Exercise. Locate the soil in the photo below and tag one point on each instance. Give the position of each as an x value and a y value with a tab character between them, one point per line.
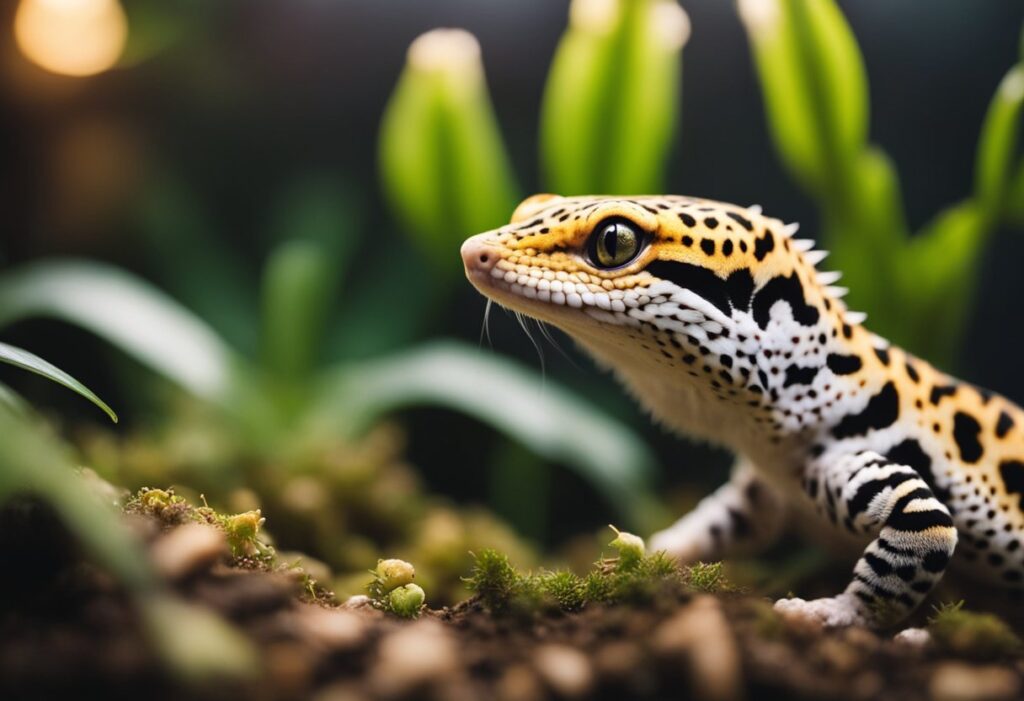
67	629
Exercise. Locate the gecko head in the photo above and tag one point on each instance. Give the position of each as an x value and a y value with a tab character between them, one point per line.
669	280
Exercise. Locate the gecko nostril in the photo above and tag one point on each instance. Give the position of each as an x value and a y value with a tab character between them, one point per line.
484	258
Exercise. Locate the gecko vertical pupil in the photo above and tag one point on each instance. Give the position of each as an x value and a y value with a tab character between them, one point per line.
614	243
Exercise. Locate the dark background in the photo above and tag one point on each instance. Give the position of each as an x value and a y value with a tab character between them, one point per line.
252	94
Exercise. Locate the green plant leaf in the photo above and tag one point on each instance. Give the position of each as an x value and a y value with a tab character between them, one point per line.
33	463
444	166
194	643
297	289
1015	198
128	312
612	96
33	363
542	416
13	402
815	90
997	145
939	271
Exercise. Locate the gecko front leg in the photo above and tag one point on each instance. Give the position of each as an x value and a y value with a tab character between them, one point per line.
741	517
868	494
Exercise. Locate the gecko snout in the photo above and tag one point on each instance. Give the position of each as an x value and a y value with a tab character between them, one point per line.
478	256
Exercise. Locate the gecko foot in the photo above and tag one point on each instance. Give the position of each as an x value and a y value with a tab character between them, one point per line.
833	612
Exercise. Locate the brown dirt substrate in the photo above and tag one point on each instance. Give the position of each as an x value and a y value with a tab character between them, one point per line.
70	632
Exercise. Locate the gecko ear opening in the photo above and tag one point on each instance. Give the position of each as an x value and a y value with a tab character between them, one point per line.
531	205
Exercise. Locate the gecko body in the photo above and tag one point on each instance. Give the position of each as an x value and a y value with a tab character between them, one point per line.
719	322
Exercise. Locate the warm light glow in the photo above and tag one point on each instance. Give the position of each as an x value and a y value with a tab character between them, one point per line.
71	37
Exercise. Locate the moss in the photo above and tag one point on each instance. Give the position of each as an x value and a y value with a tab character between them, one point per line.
978	636
494	579
707	578
503	589
564	589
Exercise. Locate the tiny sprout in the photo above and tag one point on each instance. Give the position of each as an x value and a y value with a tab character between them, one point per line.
394	573
406	601
155	498
244	526
631	547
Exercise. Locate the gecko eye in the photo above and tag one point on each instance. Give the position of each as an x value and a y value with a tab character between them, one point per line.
614	243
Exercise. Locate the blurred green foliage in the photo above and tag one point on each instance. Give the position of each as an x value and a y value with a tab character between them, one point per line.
607	121
917	289
442	160
611	102
194	643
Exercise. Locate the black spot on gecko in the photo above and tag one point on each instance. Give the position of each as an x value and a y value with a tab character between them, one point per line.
708	246
1004	424
843	364
700	281
882	410
742	221
727	247
1012	472
883	355
740	286
764	245
965	432
912	373
687	241
796	375
786	288
710	222
940	391
687	219
910	453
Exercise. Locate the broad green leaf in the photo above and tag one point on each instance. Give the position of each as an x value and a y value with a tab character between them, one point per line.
128	312
297	290
1015	197
612	96
33	363
543	417
32	463
815	89
997	146
444	166
937	281
13	402
866	244
195	644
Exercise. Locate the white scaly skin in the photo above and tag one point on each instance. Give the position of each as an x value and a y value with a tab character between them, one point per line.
719	323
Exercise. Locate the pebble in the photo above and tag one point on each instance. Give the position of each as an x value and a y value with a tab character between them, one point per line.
187	549
519	683
414	657
336	629
618	660
956	681
913	637
566	670
341	691
699	636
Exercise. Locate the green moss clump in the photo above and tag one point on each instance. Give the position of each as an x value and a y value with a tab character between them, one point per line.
707	578
503	589
978	636
564	589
